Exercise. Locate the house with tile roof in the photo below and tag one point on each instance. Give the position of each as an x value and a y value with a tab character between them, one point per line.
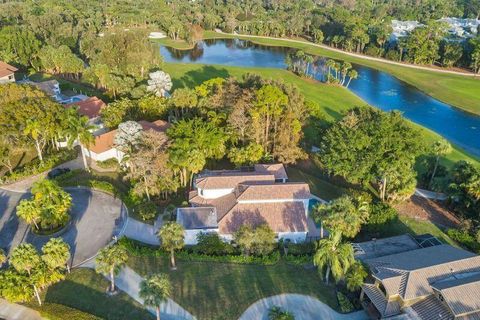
224	200
426	283
104	148
7	72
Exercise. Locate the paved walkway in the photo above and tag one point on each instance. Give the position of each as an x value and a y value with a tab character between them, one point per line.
303	308
430	194
26	184
13	311
129	282
142	232
361	56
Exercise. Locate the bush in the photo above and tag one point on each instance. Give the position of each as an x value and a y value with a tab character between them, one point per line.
108	164
345	304
380	214
54	311
277	313
188	254
147	210
465	239
35	166
393	55
306	248
211	244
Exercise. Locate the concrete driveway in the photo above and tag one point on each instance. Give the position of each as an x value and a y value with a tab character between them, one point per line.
96	218
303	308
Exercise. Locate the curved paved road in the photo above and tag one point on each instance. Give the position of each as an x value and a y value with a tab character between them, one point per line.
96	218
303	308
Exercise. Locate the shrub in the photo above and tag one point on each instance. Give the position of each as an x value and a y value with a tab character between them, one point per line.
35	166
380	214
54	311
306	248
345	304
464	238
393	55
131	199
211	244
277	313
147	210
135	248
108	164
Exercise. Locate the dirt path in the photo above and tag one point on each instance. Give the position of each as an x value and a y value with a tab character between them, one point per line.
360	56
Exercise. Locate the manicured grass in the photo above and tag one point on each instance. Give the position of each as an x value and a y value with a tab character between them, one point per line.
212	290
459	91
318	186
84	290
332	101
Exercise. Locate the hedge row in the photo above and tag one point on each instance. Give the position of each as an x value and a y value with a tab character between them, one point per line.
54	311
36	167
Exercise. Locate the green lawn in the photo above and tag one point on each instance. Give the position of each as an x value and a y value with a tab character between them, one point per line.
456	90
332	100
84	290
212	290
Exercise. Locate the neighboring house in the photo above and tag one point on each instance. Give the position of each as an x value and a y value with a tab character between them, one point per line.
7	73
424	280
104	148
223	201
90	108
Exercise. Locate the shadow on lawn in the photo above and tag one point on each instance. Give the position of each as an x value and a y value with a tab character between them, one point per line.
195	77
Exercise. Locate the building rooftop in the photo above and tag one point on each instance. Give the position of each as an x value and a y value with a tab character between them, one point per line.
6	69
232	179
49	86
277	169
275	191
197	217
385	246
89	107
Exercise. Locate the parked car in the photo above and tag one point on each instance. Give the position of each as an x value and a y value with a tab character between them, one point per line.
57	172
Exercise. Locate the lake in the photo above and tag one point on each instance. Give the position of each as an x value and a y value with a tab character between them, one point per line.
377	88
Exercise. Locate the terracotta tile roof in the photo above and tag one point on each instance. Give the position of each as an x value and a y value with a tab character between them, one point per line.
280	216
411	274
280	191
89	107
222	204
197	218
232	179
6	69
104	142
277	169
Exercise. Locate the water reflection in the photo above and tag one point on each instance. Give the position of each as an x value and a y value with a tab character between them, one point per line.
375	87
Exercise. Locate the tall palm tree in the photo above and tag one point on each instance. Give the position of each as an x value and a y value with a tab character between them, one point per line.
154	290
79	129
56	254
355	276
352	75
29	211
171	237
440	148
334	256
109	261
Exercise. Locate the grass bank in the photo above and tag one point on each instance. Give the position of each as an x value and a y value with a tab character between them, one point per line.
84	290
456	90
333	101
212	290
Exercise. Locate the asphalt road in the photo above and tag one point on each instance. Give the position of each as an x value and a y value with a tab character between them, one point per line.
95	219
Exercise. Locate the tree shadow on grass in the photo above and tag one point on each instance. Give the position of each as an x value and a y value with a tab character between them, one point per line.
195	77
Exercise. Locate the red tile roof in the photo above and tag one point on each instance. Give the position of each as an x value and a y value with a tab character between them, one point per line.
89	107
6	69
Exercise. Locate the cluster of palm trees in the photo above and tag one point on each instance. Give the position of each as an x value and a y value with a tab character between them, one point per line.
340	73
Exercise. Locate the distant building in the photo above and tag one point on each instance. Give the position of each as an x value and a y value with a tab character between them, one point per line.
104	148
50	87
90	108
420	279
7	73
225	200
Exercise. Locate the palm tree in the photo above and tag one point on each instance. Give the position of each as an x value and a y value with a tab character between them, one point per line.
56	253
355	276
79	129
29	211
110	260
154	290
24	259
333	255
159	83
352	75
171	237
439	148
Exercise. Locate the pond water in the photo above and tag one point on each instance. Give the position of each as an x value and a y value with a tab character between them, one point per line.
377	88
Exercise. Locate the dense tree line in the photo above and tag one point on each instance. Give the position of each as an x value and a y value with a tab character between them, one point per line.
31	33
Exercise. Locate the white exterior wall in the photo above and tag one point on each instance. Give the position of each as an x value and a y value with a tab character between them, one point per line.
296	237
7	78
109	154
213	193
191	235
